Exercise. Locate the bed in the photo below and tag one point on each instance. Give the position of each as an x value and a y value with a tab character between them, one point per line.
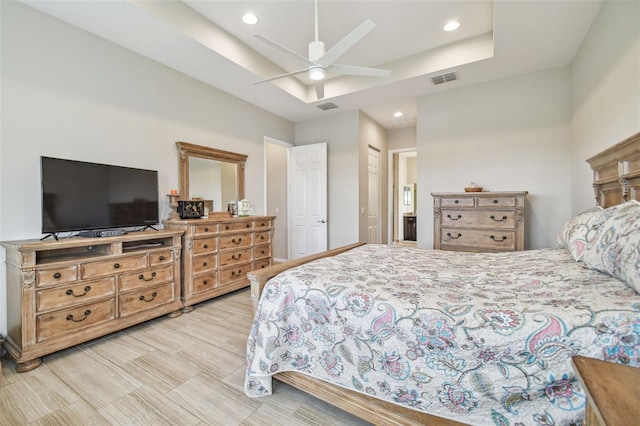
400	335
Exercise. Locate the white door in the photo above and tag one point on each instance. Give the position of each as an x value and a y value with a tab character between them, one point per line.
307	189
373	220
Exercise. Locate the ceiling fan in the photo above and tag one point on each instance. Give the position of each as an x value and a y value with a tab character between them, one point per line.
319	63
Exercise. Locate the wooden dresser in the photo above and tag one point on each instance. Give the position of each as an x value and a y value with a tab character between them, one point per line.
479	221
61	293
219	251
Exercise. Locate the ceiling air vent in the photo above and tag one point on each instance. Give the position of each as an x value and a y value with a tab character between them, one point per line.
328	105
444	78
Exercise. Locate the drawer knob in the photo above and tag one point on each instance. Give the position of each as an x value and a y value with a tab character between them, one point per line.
206	229
86	314
162	257
204	263
495	201
454	218
456	237
248	225
498	240
57	275
226	227
262	252
498	220
262	237
233	256
153	296
116	266
236	242
206	246
141	277
233	273
86	290
457	201
205	282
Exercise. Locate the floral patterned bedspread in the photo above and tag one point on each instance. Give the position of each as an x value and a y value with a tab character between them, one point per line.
479	338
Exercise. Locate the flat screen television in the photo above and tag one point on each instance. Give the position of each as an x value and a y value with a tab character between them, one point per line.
79	196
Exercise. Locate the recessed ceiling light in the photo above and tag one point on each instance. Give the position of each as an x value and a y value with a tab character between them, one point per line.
398	114
250	19
452	26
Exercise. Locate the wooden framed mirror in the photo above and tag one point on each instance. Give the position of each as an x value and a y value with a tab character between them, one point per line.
210	174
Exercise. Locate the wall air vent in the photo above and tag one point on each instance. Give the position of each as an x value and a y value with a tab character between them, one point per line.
444	78
328	105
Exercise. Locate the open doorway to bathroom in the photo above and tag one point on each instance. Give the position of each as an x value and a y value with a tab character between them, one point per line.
404	189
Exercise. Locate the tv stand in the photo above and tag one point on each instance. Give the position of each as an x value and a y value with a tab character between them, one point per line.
62	293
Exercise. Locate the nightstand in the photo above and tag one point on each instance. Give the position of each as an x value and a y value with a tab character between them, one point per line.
613	391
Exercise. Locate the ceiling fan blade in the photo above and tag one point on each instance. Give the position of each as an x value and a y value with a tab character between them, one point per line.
351	70
345	44
286	50
319	89
280	76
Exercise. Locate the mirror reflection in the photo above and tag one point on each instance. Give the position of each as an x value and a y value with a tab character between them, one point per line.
213	181
211	175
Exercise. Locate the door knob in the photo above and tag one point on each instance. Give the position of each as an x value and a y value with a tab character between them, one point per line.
322	221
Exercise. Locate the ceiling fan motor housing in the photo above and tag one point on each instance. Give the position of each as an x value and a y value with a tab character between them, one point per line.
316	50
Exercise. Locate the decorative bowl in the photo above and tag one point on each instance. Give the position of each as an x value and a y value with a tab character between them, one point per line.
473	189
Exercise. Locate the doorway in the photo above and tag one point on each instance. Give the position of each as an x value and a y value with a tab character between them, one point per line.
403	189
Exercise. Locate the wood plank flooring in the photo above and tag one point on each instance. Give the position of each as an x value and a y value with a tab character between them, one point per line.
169	371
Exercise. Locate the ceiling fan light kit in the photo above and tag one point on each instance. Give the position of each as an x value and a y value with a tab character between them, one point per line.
319	63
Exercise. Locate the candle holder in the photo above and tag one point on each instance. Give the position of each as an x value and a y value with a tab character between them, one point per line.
173	203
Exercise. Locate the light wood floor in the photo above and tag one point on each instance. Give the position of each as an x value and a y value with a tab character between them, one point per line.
169	371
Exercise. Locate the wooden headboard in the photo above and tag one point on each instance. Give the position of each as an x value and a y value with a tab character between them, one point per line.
616	172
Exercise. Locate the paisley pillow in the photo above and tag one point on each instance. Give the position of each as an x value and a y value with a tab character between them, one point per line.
616	249
579	230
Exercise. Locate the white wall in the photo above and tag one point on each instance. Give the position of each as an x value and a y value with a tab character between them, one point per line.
605	87
341	133
402	138
507	135
69	94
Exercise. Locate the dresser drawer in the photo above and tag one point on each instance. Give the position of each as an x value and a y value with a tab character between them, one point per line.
83	292
496	201
205	229
160	258
457	202
478	218
236	241
56	275
493	239
233	227
73	319
141	300
261	264
97	269
261	224
262	237
204	263
205	282
145	278
205	245
260	252
236	256
235	272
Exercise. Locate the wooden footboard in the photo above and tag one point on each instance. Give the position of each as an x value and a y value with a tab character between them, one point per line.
373	410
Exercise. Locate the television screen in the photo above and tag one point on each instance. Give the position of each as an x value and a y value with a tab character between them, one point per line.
78	195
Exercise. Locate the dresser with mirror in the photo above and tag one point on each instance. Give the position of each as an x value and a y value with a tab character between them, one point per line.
219	250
